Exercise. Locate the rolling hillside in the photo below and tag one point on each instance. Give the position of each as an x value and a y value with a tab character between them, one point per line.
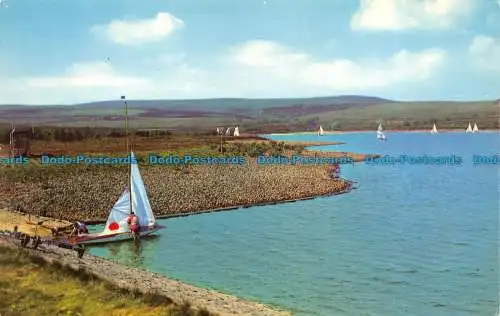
261	115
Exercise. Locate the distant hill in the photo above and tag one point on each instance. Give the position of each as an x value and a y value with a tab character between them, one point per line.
257	115
232	103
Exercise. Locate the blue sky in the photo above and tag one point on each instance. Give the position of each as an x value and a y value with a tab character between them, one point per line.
62	52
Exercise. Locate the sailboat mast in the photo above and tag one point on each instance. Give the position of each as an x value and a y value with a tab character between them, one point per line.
129	156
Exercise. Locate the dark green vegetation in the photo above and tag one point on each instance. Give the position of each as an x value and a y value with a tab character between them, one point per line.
29	286
262	115
74	140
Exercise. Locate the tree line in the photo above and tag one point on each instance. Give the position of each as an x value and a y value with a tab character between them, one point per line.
70	134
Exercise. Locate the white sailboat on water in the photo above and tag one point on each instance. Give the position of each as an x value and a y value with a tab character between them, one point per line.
434	129
236	131
228	131
320	131
475	129
380	133
469	129
133	201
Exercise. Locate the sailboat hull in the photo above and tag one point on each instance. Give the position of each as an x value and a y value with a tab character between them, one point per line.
100	238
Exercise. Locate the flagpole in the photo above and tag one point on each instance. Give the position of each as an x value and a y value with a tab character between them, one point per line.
128	153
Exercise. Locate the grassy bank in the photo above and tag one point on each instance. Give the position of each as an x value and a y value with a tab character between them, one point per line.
29	286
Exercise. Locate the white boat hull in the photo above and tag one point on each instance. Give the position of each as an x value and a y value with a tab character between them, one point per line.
100	238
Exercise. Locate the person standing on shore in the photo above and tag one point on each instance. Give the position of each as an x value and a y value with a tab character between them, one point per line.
79	228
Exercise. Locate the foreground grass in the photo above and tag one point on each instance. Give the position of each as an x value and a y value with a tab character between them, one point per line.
28	286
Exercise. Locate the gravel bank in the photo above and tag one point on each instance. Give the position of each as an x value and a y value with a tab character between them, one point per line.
88	192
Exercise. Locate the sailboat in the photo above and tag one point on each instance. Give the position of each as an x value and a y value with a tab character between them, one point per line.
380	133
228	131
469	129
133	200
320	131
236	131
475	129
434	129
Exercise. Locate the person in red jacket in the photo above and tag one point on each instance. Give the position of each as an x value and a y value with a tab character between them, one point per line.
132	222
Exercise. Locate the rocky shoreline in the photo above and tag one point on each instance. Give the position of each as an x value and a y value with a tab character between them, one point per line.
86	193
145	282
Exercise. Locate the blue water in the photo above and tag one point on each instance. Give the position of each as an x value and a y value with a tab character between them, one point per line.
411	240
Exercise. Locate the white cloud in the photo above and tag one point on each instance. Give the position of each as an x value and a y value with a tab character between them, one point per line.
278	64
485	51
252	69
135	32
97	74
406	14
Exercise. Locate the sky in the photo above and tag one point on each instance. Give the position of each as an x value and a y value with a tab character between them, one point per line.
66	52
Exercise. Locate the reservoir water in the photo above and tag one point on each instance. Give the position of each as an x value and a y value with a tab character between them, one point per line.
411	240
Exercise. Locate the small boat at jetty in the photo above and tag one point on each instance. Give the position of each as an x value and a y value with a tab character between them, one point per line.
320	131
434	129
475	129
469	129
132	201
380	133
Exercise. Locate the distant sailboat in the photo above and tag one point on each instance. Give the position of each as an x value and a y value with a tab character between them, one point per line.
475	129
320	131
380	133
236	131
228	131
469	129
434	129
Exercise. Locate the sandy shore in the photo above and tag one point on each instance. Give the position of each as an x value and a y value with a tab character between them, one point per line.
146	282
9	219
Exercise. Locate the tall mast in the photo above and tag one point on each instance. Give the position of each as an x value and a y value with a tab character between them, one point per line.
129	156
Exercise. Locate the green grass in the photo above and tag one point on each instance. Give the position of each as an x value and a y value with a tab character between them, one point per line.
29	286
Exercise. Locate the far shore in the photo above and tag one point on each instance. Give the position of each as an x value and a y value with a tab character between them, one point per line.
385	130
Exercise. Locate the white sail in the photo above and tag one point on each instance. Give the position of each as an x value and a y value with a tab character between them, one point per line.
236	131
140	202
320	131
117	219
380	133
434	129
228	131
469	129
475	129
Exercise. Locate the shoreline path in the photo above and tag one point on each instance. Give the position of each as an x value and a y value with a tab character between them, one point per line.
147	282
